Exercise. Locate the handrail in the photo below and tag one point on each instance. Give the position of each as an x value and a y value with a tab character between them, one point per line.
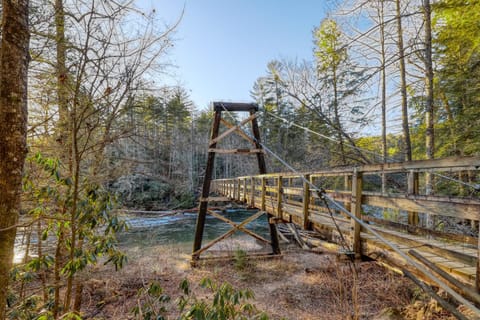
287	196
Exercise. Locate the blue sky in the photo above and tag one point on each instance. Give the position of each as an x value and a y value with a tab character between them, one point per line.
222	47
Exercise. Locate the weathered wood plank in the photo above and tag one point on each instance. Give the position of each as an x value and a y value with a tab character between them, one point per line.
236	151
234	106
445	206
450	163
464	289
279	212
231	130
238	131
237	226
357	187
422	231
227	234
306	202
263	198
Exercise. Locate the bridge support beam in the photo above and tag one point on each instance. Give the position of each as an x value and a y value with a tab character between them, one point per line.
230	189
202	210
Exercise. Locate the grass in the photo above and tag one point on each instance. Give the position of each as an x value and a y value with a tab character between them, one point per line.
300	286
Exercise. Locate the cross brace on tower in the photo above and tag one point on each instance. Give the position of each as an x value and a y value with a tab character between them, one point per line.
220	107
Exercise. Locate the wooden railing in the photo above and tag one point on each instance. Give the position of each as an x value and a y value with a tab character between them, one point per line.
392	194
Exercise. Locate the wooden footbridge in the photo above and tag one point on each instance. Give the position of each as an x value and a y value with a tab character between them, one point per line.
376	211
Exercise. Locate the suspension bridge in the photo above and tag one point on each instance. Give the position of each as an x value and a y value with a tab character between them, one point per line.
346	208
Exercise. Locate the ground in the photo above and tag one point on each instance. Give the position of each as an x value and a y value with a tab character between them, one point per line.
300	285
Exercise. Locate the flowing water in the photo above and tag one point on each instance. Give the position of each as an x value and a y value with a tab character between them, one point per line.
179	229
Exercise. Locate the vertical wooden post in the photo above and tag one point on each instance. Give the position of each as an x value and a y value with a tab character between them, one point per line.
348	187
412	188
384	183
252	192
262	167
202	210
279	197
244	190
312	198
238	190
306	203
290	185
263	206
234	188
240	186
357	184
477	277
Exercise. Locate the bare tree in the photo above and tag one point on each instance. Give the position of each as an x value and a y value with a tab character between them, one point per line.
100	57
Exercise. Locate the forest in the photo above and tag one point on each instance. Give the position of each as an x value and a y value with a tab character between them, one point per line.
387	81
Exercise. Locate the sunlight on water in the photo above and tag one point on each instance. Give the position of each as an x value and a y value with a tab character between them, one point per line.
179	230
18	252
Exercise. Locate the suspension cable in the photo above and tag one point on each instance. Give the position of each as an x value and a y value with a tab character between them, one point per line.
367	227
476	187
291	123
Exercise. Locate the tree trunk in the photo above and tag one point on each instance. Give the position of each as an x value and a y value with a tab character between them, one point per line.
403	84
429	108
383	84
62	79
14	60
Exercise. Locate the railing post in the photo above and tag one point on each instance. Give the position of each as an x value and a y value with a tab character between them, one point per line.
252	192
306	202
264	194
412	188
279	197
238	189
477	277
348	187
357	184
244	190
290	185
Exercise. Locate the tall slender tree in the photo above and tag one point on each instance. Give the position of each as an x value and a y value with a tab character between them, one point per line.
14	60
331	55
403	83
429	107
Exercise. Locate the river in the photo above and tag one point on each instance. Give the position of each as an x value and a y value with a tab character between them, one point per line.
179	229
176	229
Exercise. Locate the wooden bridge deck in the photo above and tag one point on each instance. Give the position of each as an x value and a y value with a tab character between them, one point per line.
288	198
